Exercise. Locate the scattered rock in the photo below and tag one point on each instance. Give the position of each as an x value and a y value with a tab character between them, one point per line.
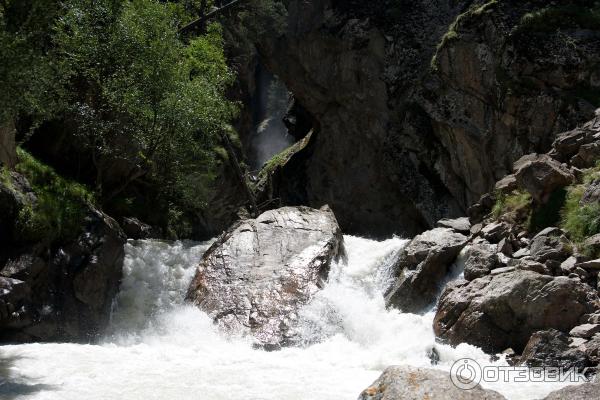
422	267
584	391
585	331
259	272
541	175
503	310
524	252
551	348
567	266
135	229
507	184
480	259
410	383
592	193
589	265
461	225
530	265
550	243
495	231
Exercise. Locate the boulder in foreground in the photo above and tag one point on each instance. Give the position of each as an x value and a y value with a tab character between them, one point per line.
260	272
410	383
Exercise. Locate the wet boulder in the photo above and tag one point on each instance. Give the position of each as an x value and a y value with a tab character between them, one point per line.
422	267
258	274
411	383
552	348
504	309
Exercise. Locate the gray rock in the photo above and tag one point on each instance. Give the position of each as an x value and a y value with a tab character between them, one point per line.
552	348
530	265
503	270
422	267
575	342
410	383
495	231
585	331
524	252
461	225
592	243
500	311
507	184
135	229
586	391
567	266
587	156
480	259
592	193
541	175
593	265
256	276
550	244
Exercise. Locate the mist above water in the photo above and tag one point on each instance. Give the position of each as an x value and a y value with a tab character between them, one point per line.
270	135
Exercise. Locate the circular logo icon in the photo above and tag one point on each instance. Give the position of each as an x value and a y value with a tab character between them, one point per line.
465	374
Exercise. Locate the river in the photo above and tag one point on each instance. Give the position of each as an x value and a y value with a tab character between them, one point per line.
160	348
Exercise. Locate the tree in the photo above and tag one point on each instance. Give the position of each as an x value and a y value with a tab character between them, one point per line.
138	94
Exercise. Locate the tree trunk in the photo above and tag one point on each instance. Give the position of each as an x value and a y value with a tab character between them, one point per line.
8	148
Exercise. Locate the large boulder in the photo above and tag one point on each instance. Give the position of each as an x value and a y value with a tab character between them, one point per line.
410	383
502	310
541	175
585	391
422	267
259	272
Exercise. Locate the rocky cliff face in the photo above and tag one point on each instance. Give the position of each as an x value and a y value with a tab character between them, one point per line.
61	291
420	107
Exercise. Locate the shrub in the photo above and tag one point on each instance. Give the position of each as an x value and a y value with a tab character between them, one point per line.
515	206
551	18
60	208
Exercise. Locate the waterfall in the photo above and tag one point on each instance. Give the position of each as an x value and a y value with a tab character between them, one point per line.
161	348
270	135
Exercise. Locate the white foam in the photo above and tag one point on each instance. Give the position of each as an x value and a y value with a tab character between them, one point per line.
163	349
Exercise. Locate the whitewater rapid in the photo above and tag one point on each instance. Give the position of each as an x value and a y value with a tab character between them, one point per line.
160	348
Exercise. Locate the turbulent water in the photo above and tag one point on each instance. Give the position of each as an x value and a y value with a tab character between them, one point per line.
160	348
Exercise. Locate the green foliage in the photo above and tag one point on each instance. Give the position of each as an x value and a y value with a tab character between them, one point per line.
60	208
581	221
28	76
261	17
138	93
5	178
452	33
554	17
512	203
